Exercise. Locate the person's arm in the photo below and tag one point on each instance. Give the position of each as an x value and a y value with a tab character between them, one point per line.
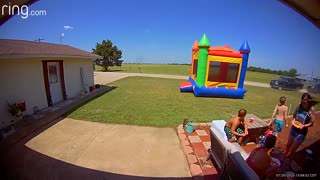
245	128
274	112
235	124
310	123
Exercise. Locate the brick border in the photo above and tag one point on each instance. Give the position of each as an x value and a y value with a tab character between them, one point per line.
194	164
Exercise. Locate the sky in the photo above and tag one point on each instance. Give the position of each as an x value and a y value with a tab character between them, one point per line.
149	31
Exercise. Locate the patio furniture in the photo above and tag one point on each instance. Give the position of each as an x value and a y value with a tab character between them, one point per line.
237	168
255	129
228	156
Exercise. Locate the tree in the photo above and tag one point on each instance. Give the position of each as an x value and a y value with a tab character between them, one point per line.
293	72
110	53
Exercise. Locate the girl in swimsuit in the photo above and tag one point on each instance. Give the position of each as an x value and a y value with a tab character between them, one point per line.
303	118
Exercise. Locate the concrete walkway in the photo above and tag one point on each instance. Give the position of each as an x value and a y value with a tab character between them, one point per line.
73	149
54	147
107	77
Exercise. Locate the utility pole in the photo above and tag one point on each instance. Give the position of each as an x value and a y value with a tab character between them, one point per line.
39	39
61	36
312	81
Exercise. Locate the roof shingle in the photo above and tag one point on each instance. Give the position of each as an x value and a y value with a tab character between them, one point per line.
10	48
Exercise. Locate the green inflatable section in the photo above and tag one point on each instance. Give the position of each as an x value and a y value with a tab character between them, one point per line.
203	45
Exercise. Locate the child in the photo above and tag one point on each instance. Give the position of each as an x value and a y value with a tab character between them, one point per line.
270	131
236	128
281	112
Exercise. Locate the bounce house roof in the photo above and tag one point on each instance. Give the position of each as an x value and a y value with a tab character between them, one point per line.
221	48
224	51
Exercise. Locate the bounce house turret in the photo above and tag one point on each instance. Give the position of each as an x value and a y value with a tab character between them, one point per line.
217	71
204	45
195	46
245	51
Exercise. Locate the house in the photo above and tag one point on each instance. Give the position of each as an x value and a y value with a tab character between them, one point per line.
40	75
308	79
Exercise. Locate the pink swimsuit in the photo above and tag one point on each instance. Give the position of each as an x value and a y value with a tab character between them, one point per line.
258	171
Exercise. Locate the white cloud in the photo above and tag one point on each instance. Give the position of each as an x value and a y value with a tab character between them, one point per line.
67	27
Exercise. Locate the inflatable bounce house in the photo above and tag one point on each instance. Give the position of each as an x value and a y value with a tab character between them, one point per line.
217	71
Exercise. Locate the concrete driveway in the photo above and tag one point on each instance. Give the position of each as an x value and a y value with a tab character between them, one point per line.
107	77
73	149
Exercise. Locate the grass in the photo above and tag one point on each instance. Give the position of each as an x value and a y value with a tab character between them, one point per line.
183	70
260	77
151	69
157	102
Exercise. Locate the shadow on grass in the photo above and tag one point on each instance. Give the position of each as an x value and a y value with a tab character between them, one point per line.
21	162
109	88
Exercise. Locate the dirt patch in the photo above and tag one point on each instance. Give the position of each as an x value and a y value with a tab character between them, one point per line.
204	163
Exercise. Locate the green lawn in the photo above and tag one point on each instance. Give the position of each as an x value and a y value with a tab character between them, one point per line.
181	70
260	77
158	102
152	69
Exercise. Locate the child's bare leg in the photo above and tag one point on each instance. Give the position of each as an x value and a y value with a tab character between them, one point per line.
240	140
233	139
288	147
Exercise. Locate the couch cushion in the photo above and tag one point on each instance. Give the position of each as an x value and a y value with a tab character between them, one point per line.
219	126
219	148
238	167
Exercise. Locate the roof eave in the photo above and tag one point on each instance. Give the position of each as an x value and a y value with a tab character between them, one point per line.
303	11
29	56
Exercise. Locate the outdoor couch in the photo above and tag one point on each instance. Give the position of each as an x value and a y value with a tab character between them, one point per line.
228	157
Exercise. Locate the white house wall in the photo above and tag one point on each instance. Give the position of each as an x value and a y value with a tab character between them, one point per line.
22	80
72	76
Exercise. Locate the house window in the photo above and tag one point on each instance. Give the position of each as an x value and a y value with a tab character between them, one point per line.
223	72
195	67
53	74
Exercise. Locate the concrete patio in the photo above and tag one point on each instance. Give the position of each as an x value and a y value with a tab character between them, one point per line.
54	147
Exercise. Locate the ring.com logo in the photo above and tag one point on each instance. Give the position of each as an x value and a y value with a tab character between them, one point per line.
23	10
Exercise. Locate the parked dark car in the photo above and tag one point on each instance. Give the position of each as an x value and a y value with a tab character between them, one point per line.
286	83
314	89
